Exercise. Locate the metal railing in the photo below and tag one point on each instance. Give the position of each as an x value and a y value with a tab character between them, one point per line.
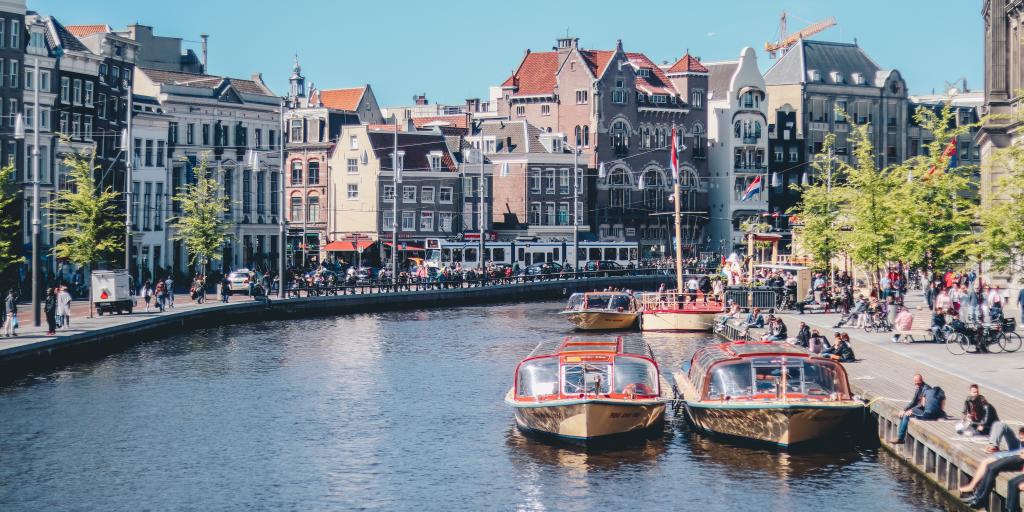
766	298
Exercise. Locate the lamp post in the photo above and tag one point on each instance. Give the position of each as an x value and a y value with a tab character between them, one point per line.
126	146
19	134
282	243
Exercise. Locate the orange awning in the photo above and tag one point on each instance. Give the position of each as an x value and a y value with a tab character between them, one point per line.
347	246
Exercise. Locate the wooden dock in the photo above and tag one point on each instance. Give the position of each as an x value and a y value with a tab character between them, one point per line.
883	375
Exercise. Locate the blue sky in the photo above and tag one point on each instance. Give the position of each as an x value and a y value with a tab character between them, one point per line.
454	50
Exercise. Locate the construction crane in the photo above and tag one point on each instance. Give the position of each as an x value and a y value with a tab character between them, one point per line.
786	41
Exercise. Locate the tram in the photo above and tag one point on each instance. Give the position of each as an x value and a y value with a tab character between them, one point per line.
441	252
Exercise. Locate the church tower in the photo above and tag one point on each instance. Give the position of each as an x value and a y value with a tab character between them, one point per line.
297	82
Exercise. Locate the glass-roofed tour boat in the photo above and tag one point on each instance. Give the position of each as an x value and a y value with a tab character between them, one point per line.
601	311
776	393
583	390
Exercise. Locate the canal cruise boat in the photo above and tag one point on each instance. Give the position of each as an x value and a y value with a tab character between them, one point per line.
775	393
679	312
601	311
585	390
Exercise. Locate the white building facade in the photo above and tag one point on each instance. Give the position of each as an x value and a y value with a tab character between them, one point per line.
150	189
738	137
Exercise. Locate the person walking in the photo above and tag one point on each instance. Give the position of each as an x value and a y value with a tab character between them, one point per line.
11	311
64	308
225	288
50	308
169	286
147	294
161	295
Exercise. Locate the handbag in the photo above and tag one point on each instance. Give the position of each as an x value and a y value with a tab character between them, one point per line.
14	320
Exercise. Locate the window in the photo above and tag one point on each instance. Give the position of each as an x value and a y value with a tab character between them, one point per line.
549	214
352	165
149	153
582	96
659	98
445	195
147	206
87	127
44	119
64	122
261	192
29	79
619	93
427	195
545	110
29	117
158	223
408	221
274	198
388	192
246	191
563	181
467	186
535	214
778	154
409	194
296	173
258	135
353	142
295	135
3	24
313	209
353	191
13	72
389	220
535	178
159	153
563	214
314	173
190	134
426	221
435	161
76	92
65	89
840	111
620	135
172	131
549	181
520	111
697	99
794	155
296	209
15	34
586	136
445	220
76	125
44	80
206	134
88	93
136	187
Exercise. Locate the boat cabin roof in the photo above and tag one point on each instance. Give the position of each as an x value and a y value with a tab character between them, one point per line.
745	349
616	346
602	294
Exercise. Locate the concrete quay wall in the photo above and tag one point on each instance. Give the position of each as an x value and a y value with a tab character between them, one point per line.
130	329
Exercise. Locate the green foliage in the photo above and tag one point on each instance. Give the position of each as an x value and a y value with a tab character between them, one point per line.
1000	240
201	225
88	220
9	246
818	209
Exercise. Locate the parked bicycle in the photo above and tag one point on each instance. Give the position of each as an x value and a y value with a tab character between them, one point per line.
980	338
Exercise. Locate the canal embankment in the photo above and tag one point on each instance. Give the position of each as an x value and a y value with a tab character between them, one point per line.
103	334
883	376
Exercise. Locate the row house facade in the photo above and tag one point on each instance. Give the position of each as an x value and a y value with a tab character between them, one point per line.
12	60
738	137
618	109
222	121
364	192
151	195
313	124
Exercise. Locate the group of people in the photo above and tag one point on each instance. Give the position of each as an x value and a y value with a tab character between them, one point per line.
806	337
978	417
56	308
160	294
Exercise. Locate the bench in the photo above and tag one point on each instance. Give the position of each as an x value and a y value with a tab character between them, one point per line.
920	327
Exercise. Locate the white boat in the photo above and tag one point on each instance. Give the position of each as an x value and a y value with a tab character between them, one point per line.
601	311
665	311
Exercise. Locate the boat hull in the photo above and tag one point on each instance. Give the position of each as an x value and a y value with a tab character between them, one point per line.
781	424
584	420
677	320
601	320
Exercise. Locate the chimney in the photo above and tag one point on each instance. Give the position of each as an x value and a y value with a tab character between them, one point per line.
567	43
472	104
204	37
421	99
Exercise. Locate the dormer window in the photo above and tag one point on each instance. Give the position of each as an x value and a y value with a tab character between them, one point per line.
643	72
813	75
837	77
435	160
858	79
660	98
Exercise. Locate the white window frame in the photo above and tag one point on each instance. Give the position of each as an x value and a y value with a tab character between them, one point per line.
427	195
424	215
409	194
352	165
442	191
352	191
388	193
411	217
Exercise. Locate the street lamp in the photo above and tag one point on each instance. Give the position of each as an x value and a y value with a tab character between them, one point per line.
19	134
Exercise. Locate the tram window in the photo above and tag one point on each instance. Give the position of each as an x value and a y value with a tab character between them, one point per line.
498	254
554	255
538	257
456	255
538	378
609	253
624	253
469	255
595	254
528	259
632	254
446	255
522	254
635	376
585	378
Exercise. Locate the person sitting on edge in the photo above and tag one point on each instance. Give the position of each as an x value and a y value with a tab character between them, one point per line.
754	319
818	343
903	322
842	351
927	404
803	335
938	322
978	414
975	493
734	312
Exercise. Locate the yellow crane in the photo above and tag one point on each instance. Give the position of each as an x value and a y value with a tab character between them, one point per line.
786	41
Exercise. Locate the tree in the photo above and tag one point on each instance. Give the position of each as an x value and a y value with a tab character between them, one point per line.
1000	241
818	210
201	225
9	250
88	219
933	215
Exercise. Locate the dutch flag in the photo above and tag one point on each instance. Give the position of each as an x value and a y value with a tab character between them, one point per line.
753	189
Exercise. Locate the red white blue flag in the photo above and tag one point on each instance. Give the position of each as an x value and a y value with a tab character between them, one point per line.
753	189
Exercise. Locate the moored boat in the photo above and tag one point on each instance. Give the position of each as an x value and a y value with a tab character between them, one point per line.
769	392
670	311
601	311
584	390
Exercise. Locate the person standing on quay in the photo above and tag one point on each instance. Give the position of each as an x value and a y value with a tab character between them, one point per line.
11	309
50	308
169	286
64	307
147	294
161	295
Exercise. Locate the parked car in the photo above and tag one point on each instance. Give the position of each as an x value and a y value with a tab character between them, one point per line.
604	268
238	281
545	268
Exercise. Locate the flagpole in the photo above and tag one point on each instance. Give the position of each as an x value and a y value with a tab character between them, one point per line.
675	202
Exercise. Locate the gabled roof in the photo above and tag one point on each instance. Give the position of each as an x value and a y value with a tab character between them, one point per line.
340	99
205	81
657	82
61	37
417	147
536	74
720	78
454	120
824	57
85	30
687	64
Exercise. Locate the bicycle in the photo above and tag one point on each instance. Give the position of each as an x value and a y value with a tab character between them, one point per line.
995	341
878	323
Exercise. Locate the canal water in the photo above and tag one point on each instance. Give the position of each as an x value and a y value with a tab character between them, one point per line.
389	411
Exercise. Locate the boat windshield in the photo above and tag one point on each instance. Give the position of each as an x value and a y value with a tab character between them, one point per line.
773	377
575	302
579	301
538	377
634	376
585	378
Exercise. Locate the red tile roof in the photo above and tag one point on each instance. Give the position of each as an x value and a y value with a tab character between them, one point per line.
536	74
383	127
341	99
657	82
687	64
455	120
85	30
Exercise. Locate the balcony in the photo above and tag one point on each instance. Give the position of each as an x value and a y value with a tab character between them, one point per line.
750	140
751	168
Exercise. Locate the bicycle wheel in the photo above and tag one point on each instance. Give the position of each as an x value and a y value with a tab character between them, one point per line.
996	343
956	343
1013	341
